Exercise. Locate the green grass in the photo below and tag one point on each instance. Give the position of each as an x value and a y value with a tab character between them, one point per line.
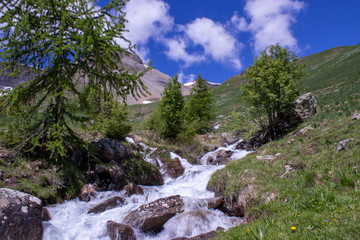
325	188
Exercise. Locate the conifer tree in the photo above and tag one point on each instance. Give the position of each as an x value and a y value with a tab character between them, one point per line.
273	84
171	109
201	105
65	43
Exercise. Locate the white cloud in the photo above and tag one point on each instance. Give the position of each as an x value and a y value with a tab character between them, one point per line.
239	22
216	41
184	78
177	51
270	22
147	19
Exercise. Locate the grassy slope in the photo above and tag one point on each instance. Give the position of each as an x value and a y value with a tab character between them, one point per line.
322	199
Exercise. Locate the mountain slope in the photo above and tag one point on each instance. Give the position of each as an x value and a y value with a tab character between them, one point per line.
326	74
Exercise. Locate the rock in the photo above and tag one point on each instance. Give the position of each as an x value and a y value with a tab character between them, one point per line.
214	203
174	168
46	215
114	176
204	236
356	116
107	150
132	189
228	138
292	166
305	106
20	215
152	216
342	144
303	131
117	231
221	158
267	158
87	191
108	204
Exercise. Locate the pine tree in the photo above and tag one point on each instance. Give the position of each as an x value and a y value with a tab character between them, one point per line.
65	43
171	109
273	84
201	105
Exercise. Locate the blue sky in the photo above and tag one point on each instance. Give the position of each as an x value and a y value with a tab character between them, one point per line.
219	38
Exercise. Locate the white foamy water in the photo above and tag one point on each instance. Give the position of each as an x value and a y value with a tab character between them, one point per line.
70	220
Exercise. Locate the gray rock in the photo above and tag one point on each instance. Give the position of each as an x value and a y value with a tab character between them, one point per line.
303	131
117	231
305	106
20	215
356	116
107	150
108	204
46	216
342	144
267	158
174	168
214	203
152	216
222	157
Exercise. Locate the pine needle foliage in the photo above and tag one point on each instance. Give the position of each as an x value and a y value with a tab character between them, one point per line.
200	107
65	43
273	86
171	109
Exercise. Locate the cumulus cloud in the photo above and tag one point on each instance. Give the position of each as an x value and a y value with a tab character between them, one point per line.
270	22
216	41
147	19
176	50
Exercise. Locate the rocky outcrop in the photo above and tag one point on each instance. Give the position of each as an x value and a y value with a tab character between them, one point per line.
132	189
115	165
46	216
87	192
117	231
152	216
305	106
20	215
108	204
107	150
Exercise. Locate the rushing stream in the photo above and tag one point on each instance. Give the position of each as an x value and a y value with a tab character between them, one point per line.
71	221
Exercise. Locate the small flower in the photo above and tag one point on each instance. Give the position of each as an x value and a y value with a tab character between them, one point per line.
293	228
249	230
335	219
320	203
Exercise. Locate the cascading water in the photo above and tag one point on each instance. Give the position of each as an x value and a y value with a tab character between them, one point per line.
71	221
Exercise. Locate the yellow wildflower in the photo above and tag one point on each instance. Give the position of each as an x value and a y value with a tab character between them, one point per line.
293	228
249	230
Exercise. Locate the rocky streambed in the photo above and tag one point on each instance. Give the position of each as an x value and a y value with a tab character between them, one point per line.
180	208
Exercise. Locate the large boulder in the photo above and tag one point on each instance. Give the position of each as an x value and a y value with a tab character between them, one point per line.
152	216
174	168
221	158
117	231
114	176
107	150
20	215
305	106
108	204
